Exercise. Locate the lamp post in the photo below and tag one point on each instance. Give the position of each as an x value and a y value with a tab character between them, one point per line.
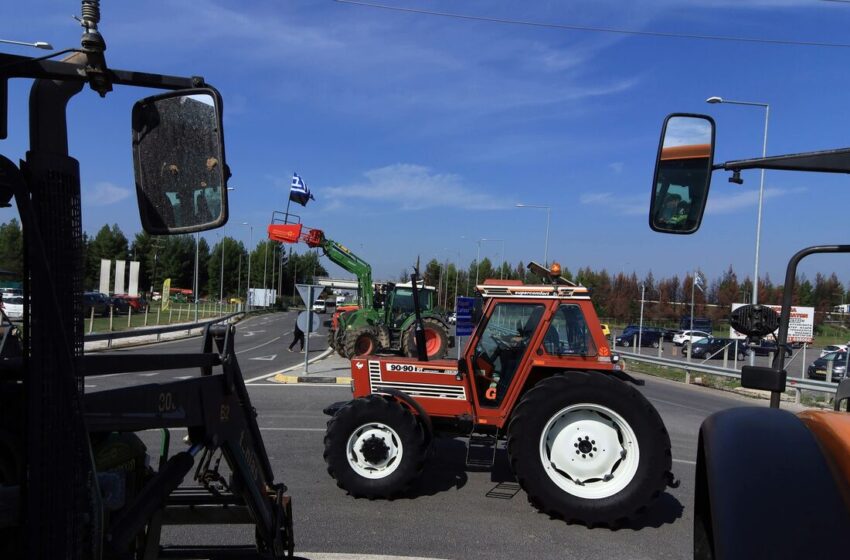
761	184
221	279
195	287
248	293
478	257
548	212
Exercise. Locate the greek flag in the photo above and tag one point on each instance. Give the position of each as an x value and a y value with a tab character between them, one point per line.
699	282
298	191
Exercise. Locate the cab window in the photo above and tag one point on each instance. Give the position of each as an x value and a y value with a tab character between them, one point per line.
568	333
501	347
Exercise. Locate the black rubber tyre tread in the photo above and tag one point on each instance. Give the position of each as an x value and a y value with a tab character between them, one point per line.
332	339
375	409
557	392
351	337
408	342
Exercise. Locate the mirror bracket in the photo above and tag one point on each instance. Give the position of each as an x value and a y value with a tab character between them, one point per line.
736	177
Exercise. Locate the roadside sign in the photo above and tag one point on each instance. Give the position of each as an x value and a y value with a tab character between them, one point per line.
308	295
308	321
801	324
463	325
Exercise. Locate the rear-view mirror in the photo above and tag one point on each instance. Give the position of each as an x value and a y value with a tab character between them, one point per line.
682	173
178	154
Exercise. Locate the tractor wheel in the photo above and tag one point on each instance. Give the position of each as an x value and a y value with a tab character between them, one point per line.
589	448
374	447
332	339
360	342
436	339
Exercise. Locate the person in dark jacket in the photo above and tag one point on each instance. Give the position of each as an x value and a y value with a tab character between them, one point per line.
298	336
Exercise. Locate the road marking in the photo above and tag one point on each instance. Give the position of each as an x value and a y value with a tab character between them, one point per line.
149	374
185	377
258	346
268	358
343	556
671	403
684	461
252	333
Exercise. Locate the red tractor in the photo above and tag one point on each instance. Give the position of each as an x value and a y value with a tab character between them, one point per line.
538	373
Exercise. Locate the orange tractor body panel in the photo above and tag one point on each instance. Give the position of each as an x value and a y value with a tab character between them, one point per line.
444	391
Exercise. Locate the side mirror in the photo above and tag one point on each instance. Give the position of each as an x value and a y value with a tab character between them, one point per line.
754	320
178	155
682	173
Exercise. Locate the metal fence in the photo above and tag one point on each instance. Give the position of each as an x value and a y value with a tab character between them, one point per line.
792	383
158	331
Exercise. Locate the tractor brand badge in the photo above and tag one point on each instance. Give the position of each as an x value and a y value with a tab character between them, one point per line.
358	365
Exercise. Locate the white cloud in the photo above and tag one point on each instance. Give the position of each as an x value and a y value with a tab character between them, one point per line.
104	194
727	204
413	187
630	205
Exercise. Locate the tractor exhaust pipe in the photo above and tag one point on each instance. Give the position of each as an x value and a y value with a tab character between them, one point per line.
419	329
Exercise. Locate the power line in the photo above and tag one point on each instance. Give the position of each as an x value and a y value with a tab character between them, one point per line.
599	29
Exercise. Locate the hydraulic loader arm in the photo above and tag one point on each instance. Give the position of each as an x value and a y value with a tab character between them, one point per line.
343	257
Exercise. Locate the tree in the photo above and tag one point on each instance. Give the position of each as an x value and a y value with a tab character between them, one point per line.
234	253
12	248
108	243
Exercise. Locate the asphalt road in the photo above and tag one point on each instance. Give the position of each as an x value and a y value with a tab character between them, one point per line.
452	512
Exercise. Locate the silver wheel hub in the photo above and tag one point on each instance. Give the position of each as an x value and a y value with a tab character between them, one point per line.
374	450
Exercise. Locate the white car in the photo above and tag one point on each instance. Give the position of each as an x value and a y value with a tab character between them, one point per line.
319	306
14	307
679	339
833	348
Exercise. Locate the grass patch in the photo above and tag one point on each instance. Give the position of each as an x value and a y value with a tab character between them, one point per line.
673	373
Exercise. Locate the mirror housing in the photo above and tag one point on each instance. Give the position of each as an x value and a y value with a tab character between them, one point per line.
682	173
178	157
754	320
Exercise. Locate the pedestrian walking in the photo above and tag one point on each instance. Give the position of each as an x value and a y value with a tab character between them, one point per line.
298	336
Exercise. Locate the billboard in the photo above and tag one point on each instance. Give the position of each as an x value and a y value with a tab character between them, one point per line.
801	325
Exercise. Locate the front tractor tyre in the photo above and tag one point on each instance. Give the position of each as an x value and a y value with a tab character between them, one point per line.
589	448
360	342
374	448
436	339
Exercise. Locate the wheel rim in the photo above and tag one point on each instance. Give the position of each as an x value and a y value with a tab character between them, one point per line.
432	342
364	346
589	451
374	450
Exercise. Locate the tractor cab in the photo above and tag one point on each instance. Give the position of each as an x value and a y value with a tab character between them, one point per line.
398	302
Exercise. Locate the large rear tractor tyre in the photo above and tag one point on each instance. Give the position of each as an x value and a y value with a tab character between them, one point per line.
374	448
360	342
589	448
332	339
436	339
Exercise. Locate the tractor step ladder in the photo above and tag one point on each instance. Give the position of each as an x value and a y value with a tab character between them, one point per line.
481	449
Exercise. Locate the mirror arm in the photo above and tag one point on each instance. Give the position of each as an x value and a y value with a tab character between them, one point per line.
826	161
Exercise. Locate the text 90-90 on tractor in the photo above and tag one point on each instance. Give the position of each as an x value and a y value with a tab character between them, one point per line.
583	442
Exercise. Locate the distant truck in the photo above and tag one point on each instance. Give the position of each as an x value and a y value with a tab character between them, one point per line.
699	324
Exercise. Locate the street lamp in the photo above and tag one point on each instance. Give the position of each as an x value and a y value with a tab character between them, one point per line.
548	211
221	280
761	184
478	257
248	293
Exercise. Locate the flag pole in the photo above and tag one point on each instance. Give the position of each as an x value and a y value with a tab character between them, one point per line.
288	202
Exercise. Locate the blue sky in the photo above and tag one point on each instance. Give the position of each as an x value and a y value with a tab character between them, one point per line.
418	134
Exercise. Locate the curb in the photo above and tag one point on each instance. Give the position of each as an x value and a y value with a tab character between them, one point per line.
283	378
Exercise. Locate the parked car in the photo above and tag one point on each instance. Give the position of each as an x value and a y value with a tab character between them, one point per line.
765	347
119	305
711	347
97	301
668	334
631	335
833	348
817	369
136	303
14	307
689	336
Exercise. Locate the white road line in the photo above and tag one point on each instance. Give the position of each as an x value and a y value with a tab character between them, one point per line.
671	403
258	346
684	461
343	556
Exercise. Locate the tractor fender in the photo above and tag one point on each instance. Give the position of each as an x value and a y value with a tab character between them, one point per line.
411	402
759	470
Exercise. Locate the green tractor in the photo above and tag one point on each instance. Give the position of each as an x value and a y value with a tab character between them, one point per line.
391	326
384	320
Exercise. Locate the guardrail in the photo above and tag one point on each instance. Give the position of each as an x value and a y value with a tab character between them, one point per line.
147	331
793	383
